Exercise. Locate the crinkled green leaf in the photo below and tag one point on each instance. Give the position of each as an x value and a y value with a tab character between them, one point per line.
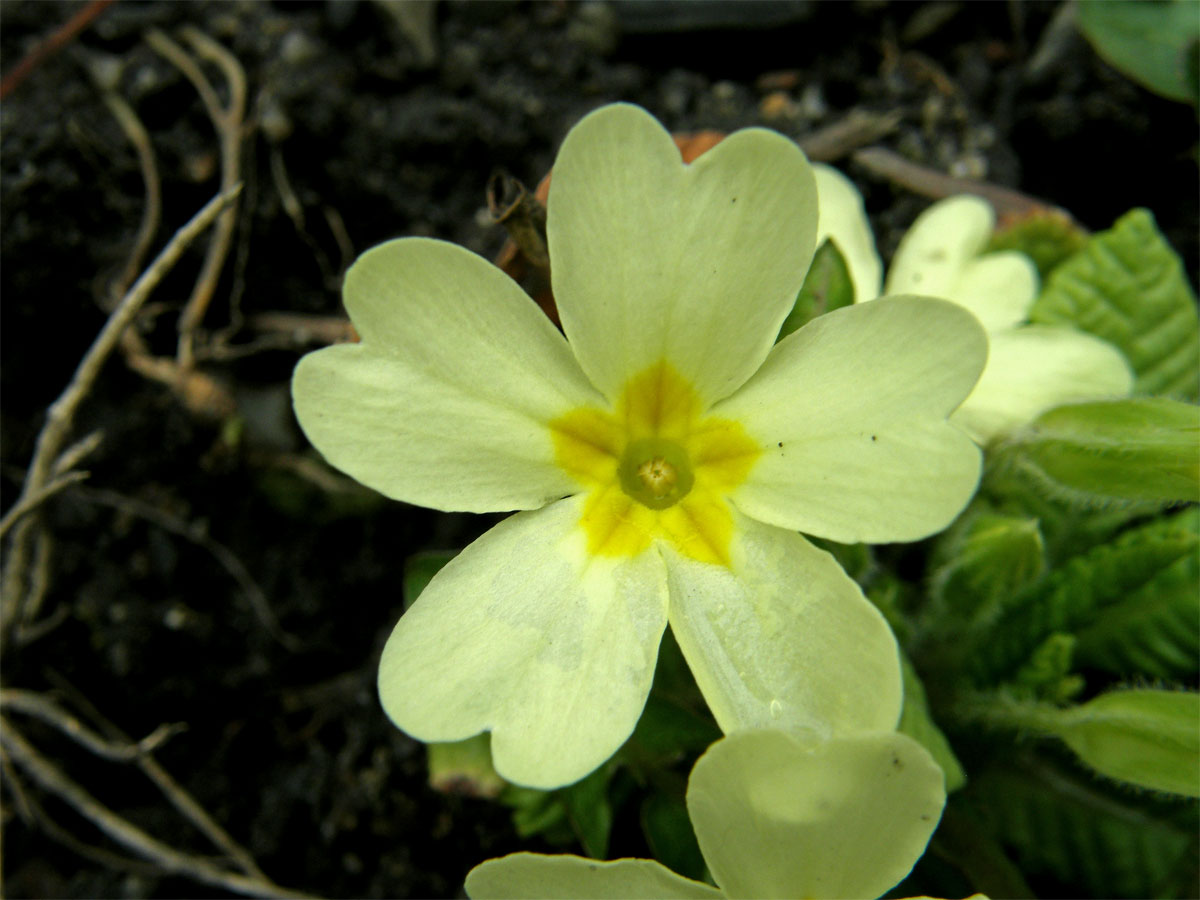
1047	672
1146	737
534	876
826	286
1134	449
1070	597
917	722
1154	632
1128	287
1148	40
1098	840
1048	238
669	833
983	560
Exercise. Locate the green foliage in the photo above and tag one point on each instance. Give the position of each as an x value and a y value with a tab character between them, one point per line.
827	286
1071	597
1082	834
1154	42
1047	238
669	833
1128	287
917	722
420	569
1046	673
1136	449
1153	632
1146	737
981	561
590	811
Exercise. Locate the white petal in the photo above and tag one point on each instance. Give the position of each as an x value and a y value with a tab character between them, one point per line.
784	638
844	818
851	414
445	402
524	634
940	257
534	876
1035	368
844	220
653	260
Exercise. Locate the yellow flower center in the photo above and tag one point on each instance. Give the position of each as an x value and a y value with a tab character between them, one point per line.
655	467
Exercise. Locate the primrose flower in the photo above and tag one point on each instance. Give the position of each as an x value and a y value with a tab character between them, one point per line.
662	455
775	818
1031	368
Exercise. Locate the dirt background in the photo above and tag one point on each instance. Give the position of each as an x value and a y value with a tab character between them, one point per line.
364	123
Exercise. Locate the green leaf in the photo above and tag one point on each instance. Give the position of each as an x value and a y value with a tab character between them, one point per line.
1154	632
669	833
1136	449
856	559
1148	41
1048	238
1046	673
590	811
1082	833
420	569
1070	597
827	286
982	560
1128	287
917	722
667	729
536	812
1146	737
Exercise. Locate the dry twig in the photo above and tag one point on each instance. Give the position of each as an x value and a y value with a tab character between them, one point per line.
227	120
62	413
932	183
28	504
51	45
137	135
170	788
42	707
51	778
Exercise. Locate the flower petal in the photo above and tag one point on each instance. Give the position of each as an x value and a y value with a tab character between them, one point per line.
523	633
844	220
851	410
783	638
1037	367
653	260
446	401
940	257
535	876
843	818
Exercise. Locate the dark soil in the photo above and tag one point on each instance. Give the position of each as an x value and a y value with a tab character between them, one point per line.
286	746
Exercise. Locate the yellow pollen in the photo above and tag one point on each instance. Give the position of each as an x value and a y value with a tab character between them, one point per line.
658	476
655	466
